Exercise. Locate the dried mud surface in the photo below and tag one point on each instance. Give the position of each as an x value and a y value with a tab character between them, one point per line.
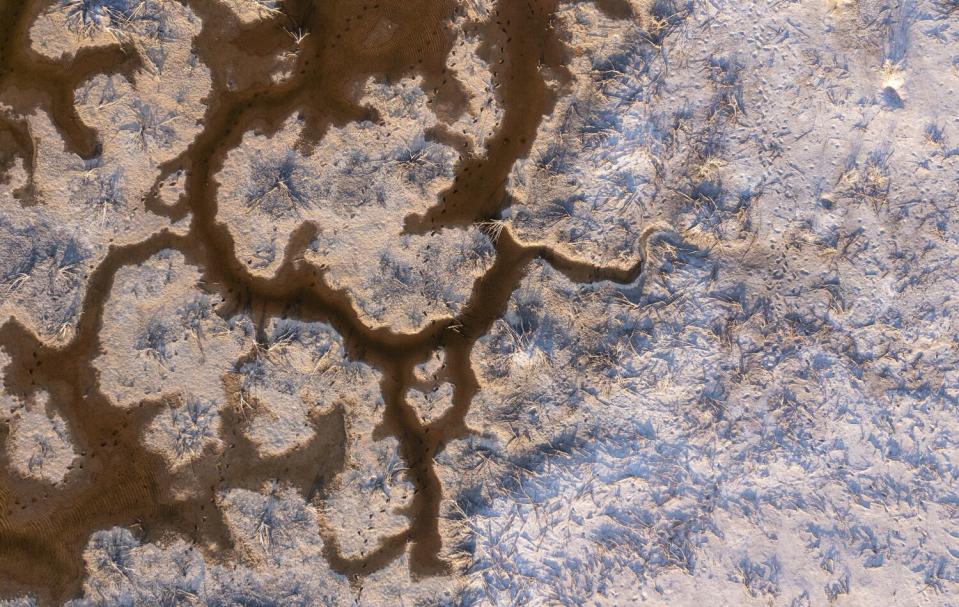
43	529
650	303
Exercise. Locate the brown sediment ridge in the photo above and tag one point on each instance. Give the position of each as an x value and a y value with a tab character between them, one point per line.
43	528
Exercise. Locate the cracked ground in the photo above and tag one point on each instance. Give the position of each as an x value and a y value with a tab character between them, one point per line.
479	302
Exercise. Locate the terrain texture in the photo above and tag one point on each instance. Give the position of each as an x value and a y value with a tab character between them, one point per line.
479	302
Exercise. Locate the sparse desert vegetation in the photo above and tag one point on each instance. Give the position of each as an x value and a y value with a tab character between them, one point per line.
481	302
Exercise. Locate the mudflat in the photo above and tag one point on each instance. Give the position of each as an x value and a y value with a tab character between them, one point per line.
476	302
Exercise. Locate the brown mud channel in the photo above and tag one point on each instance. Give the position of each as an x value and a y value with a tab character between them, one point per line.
44	528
